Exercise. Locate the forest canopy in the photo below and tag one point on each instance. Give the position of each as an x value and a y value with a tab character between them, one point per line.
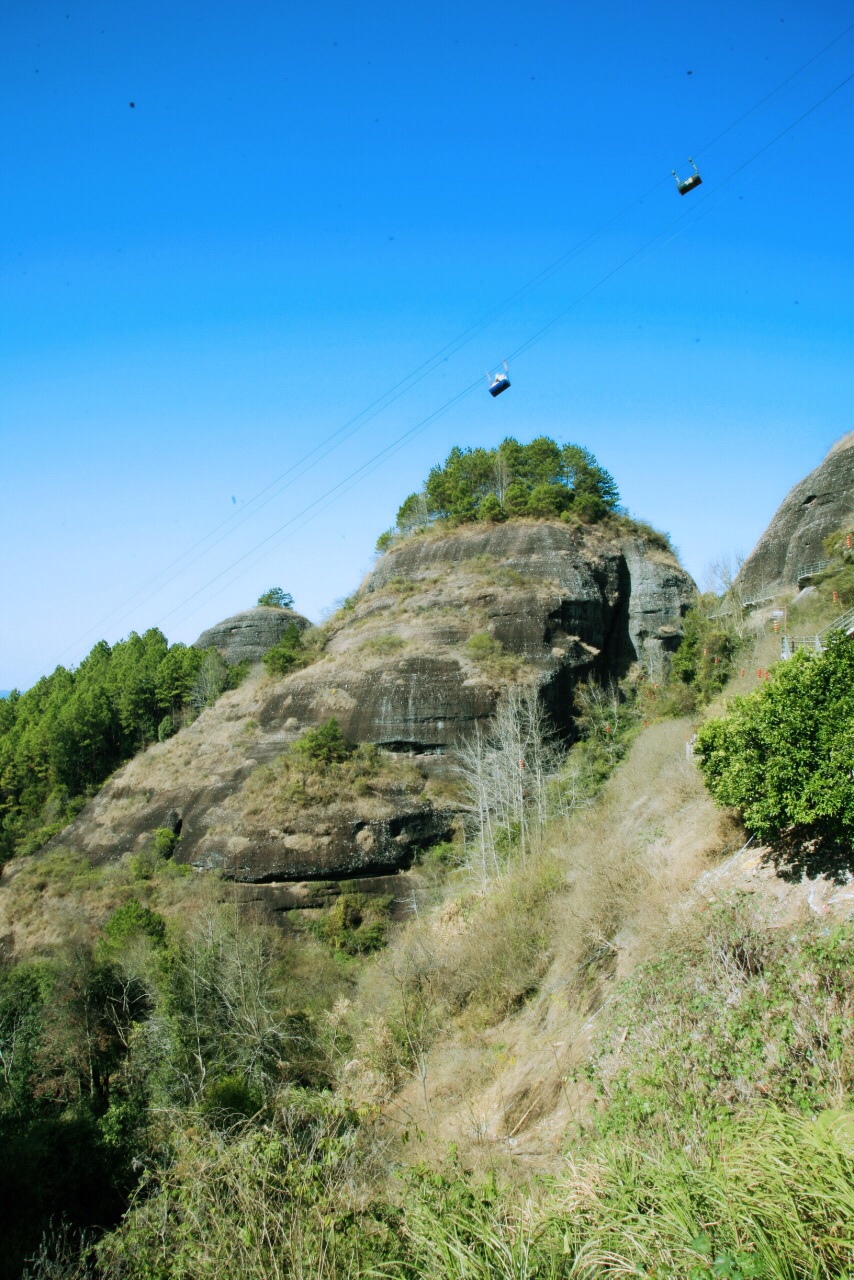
541	479
63	737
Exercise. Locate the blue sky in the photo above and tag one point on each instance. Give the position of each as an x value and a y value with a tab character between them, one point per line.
303	207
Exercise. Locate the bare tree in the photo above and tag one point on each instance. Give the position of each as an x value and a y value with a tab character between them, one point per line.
210	681
506	774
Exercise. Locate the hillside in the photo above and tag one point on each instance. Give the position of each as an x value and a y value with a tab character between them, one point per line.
413	665
533	1004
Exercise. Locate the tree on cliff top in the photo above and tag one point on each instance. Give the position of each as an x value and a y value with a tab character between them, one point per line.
541	479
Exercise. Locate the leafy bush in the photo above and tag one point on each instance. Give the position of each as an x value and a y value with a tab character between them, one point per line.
784	754
482	647
133	919
704	659
324	745
357	923
231	1098
288	654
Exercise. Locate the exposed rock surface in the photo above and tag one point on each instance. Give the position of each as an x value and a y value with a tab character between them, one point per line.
818	505
565	603
248	635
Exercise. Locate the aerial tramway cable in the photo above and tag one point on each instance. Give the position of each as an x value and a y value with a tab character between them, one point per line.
333	494
356	423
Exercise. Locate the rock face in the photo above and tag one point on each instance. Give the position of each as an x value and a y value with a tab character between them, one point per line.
817	506
549	605
566	603
248	635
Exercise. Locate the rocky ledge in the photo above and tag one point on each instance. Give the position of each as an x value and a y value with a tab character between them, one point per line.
417	660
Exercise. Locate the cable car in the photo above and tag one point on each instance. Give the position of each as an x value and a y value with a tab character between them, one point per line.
684	185
500	382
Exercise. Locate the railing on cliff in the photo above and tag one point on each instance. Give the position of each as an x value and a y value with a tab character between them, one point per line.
790	644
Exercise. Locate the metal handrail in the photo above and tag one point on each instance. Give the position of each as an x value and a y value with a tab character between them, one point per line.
811	569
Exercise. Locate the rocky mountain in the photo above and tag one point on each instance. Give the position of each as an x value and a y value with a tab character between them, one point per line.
416	660
818	505
248	635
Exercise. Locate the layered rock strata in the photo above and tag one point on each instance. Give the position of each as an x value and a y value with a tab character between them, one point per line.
246	636
435	634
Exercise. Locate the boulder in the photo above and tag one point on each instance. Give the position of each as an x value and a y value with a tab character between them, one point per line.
817	506
248	635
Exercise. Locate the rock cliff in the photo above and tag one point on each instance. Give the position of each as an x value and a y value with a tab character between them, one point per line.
248	635
818	505
413	664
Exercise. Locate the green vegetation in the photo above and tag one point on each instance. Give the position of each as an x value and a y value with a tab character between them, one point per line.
357	923
382	646
705	657
784	754
735	1015
323	768
540	479
276	598
288	654
62	738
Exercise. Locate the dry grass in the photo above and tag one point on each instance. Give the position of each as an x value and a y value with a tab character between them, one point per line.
471	1020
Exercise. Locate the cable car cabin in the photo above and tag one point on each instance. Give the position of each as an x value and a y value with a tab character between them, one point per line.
684	185
499	383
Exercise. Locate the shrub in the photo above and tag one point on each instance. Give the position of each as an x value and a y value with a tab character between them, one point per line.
492	510
784	754
704	659
166	728
482	647
548	500
132	919
589	507
231	1098
325	745
287	654
381	646
357	923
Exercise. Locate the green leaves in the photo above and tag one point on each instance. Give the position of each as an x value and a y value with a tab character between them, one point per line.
287	654
539	479
784	755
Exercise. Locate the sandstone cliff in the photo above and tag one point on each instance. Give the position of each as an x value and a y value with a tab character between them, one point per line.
248	635
818	505
550	604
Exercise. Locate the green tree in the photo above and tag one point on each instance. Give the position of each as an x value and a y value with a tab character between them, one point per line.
287	654
276	598
784	754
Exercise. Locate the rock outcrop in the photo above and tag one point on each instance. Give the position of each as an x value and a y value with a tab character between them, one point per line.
548	605
248	635
817	506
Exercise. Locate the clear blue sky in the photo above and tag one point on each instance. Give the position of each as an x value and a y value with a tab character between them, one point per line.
306	202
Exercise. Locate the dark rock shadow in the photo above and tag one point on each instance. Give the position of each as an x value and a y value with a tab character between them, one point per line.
800	852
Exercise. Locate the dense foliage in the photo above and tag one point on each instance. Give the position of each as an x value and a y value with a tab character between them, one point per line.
276	598
287	654
540	479
65	735
784	754
709	645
